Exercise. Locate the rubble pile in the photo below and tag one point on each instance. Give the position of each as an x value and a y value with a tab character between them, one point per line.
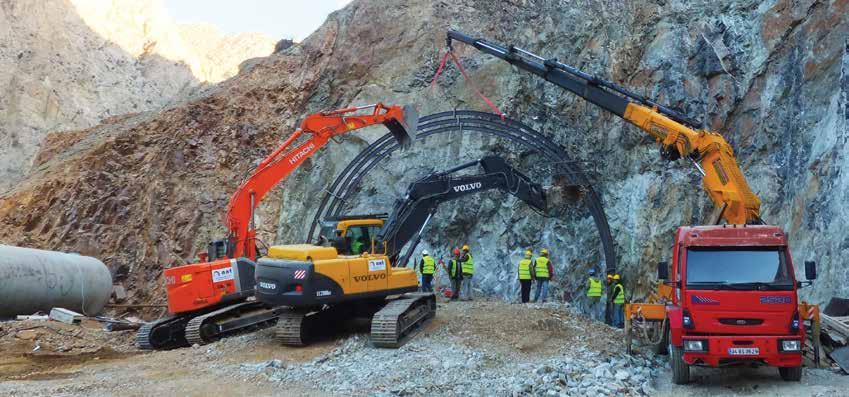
456	356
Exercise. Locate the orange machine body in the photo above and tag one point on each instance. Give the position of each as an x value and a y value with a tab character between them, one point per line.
199	285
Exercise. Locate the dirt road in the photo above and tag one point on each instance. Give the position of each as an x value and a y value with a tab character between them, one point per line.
471	348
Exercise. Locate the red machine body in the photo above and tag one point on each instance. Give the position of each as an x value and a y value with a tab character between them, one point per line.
199	285
735	322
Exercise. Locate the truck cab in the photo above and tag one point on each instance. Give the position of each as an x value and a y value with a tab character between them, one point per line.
734	300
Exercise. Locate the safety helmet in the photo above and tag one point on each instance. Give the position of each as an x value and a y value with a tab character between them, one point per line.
616	277
424	252
456	251
592	272
543	252
529	254
609	277
465	247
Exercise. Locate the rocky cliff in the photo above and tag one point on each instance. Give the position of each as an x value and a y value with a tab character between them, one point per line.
69	64
143	191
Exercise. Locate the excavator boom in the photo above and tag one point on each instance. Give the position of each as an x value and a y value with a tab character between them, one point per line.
412	213
321	127
679	135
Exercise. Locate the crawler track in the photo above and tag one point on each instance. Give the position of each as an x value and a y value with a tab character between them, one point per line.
228	321
398	321
163	334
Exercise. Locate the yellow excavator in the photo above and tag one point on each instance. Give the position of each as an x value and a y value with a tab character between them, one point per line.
359	269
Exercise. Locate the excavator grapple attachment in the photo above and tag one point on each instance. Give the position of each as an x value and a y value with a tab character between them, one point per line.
404	130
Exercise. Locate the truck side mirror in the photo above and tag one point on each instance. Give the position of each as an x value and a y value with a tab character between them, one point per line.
810	270
663	271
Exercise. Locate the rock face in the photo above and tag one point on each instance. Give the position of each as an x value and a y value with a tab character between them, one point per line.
69	64
141	191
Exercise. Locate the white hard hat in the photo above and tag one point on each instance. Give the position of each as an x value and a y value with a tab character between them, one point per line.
424	252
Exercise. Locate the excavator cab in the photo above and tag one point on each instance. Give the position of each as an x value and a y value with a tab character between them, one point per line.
352	234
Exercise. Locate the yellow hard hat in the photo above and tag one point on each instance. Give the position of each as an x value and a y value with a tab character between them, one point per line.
543	251
465	247
616	277
528	254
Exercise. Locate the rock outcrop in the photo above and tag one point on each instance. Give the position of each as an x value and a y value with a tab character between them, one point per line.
69	64
143	191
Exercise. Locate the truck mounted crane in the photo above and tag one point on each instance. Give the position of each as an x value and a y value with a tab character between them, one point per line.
362	273
208	299
732	298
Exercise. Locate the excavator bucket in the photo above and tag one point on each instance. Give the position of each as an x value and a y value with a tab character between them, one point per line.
404	131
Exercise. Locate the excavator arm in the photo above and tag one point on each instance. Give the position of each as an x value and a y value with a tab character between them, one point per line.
679	135
320	127
412	213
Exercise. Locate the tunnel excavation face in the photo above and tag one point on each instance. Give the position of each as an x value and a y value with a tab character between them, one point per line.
371	180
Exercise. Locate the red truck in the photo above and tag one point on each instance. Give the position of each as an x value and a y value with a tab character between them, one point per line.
733	300
732	296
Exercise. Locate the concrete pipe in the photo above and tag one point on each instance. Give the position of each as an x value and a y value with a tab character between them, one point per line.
34	280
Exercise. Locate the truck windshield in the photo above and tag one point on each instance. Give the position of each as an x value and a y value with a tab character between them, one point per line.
745	268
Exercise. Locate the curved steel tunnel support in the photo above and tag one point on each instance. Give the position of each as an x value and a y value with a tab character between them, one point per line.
466	121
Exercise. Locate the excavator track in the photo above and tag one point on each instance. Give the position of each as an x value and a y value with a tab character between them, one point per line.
229	320
398	321
291	328
300	327
163	334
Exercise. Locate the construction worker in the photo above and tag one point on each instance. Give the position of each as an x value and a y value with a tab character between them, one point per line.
594	289
456	274
427	267
543	272
525	275
618	300
467	265
608	308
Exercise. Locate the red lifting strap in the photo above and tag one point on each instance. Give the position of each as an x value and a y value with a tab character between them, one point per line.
468	80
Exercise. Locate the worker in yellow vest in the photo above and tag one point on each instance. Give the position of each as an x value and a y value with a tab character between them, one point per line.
456	274
618	299
525	275
594	289
427	267
467	264
543	272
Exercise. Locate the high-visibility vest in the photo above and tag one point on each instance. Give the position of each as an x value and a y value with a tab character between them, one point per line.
452	267
469	265
620	298
357	247
594	290
541	268
429	265
525	269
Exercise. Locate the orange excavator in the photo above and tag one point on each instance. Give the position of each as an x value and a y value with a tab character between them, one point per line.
210	299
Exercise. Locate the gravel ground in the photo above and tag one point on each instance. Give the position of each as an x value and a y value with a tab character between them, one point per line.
471	348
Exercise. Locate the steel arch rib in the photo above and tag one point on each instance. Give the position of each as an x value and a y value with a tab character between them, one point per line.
466	121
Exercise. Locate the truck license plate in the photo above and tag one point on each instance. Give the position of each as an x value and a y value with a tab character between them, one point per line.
743	351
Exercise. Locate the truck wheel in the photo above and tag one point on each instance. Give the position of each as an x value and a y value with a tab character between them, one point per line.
662	347
680	369
790	374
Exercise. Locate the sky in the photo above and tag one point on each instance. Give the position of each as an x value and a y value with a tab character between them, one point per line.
291	19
